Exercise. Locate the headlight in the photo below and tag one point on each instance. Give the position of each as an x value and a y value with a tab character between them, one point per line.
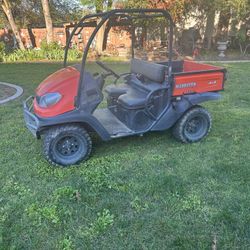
48	100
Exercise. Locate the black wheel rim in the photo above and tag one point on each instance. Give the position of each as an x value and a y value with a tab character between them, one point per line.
196	127
68	148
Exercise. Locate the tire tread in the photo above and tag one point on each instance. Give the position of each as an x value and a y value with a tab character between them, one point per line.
179	126
52	133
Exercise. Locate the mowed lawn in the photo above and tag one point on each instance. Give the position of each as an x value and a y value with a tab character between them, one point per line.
148	192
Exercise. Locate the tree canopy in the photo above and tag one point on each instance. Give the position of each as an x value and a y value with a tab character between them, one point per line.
98	5
29	12
232	14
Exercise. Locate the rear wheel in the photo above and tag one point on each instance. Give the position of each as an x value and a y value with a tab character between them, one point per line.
67	145
193	126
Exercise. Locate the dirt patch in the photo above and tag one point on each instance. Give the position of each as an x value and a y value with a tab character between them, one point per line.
9	92
6	91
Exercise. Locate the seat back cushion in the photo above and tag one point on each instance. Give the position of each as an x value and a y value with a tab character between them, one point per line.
153	71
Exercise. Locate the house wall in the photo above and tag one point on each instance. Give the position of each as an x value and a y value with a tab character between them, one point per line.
117	39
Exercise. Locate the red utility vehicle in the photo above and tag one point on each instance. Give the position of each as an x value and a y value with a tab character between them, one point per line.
152	97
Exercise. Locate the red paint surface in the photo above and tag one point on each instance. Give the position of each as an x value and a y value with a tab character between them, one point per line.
198	82
65	82
190	66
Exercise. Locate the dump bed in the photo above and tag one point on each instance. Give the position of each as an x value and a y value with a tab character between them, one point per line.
192	77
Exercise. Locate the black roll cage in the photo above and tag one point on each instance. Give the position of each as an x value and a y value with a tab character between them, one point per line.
141	13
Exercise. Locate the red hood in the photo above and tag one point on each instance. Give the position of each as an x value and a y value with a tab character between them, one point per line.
56	82
65	82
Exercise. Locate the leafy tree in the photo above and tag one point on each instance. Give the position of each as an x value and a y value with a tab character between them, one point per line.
231	13
7	8
176	7
66	11
30	12
98	5
207	13
3	20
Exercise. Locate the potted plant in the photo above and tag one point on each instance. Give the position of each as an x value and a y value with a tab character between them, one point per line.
222	45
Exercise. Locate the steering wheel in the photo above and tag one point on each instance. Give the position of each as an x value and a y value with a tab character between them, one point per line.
106	68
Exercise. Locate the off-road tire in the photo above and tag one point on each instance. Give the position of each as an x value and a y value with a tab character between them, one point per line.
180	128
54	136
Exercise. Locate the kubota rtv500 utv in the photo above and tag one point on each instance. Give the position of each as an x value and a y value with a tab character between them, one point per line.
151	97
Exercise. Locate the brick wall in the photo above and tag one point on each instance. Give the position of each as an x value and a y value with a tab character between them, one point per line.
36	35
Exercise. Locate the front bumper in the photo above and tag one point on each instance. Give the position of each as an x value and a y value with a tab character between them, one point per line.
31	121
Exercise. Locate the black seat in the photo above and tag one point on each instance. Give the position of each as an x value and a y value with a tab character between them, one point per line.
151	77
115	91
133	99
152	72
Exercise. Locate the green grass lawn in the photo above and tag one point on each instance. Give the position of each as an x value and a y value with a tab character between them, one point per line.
148	192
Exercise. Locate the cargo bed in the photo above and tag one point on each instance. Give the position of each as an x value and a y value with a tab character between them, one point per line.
192	77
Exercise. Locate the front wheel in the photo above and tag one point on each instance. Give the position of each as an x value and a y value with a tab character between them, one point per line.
66	145
193	126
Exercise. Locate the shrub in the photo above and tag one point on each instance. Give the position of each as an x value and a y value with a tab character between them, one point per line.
2	51
74	54
49	47
52	52
23	55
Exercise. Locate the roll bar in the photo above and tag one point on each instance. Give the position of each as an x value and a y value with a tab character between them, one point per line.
139	13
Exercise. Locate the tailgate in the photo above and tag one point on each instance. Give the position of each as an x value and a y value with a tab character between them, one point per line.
198	82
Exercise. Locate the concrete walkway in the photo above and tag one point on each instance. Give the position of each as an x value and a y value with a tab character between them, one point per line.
18	93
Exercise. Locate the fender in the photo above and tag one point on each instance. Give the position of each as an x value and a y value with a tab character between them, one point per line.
75	116
202	97
176	110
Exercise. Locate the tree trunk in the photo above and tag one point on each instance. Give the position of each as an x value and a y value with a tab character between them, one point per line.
223	24
7	10
48	21
163	34
144	36
32	37
209	29
100	39
102	35
105	36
